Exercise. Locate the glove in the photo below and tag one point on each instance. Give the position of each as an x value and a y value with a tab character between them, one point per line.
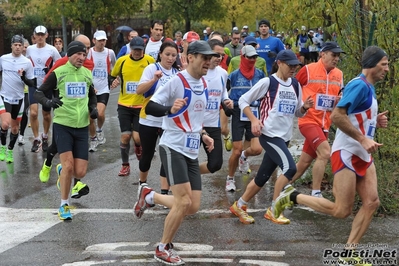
54	103
94	113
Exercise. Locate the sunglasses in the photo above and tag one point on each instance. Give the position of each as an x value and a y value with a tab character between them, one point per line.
220	55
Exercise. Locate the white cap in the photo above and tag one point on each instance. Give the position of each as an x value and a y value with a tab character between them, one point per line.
205	32
248	50
235	28
245	27
40	29
100	35
303	28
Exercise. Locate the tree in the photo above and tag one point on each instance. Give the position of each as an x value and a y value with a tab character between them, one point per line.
187	10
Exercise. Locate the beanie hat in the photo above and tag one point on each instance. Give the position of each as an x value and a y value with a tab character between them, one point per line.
75	47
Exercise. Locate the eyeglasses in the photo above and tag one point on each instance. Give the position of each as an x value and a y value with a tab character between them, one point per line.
252	57
220	55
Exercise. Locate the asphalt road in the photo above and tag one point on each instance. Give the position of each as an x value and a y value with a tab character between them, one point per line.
104	230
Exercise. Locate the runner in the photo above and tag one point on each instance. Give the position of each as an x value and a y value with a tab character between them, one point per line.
16	70
103	60
182	102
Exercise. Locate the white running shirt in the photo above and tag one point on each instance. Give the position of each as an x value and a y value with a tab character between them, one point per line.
41	58
103	63
12	86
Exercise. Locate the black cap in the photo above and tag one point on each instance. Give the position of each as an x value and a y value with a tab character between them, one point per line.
289	57
244	34
75	47
331	46
264	21
17	39
200	47
137	43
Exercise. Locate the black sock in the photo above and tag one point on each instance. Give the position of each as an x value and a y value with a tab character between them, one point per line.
293	196
164	191
142	182
75	180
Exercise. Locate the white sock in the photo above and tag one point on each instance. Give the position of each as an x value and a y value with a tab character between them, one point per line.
230	178
241	202
63	202
273	203
243	155
150	198
161	246
315	191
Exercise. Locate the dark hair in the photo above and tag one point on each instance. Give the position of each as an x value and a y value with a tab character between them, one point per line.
162	48
215	42
159	22
215	33
236	32
274	68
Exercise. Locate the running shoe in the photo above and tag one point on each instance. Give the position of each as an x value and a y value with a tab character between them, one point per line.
100	137
21	140
44	143
141	205
230	185
280	220
138	152
64	212
79	190
241	213
283	201
59	169
353	261
93	144
168	256
125	170
44	174
228	143
3	152
243	166
9	156
36	146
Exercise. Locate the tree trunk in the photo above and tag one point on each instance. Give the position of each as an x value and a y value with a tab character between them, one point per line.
87	29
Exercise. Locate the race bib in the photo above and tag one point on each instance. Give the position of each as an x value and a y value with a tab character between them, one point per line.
325	102
38	72
11	101
76	89
370	129
286	107
100	73
254	110
212	105
131	87
192	143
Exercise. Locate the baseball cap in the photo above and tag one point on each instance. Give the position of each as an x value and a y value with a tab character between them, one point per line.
235	28
264	21
137	43
191	36
248	50
100	35
245	27
250	40
145	36
40	29
331	46
311	31
200	47
288	56
244	34
303	28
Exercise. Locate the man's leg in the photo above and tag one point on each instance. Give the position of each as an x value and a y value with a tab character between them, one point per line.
101	107
34	121
323	155
367	189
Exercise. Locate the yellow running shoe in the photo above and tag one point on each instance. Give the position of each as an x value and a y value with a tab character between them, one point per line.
44	174
241	213
228	143
280	220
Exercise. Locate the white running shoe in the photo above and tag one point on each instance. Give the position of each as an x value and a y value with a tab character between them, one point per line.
243	165
93	145
100	137
21	140
230	185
